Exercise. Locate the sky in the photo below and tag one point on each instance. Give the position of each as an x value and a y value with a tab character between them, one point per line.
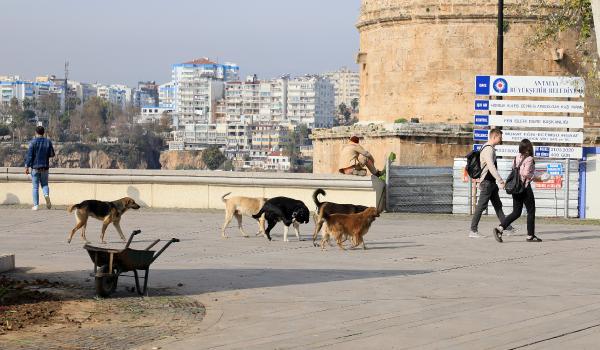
126	41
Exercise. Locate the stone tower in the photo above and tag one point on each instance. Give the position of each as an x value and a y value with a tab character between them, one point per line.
419	58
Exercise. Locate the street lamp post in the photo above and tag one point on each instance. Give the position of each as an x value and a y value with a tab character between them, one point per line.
500	42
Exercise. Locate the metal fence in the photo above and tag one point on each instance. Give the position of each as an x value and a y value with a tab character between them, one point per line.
559	199
419	189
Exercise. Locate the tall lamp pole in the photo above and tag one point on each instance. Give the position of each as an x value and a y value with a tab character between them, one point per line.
500	42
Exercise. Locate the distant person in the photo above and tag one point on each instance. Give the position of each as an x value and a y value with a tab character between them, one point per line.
526	165
354	158
38	160
490	180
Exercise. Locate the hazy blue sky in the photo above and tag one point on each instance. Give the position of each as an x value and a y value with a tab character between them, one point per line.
112	41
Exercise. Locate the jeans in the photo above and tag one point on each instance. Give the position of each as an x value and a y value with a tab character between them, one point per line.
488	192
528	199
39	178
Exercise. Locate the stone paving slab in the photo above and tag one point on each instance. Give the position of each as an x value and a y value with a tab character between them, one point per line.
422	284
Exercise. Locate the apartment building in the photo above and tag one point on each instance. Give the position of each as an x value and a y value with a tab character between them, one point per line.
197	86
311	101
166	95
271	136
346	84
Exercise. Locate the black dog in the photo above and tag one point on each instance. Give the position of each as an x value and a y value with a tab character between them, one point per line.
324	209
288	210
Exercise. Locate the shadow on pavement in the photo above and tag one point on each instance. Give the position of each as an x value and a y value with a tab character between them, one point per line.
198	281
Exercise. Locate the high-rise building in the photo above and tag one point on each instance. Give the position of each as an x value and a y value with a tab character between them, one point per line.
197	86
311	101
346	84
256	101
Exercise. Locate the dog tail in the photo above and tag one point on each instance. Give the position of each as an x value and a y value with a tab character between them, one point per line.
318	191
259	214
225	195
72	207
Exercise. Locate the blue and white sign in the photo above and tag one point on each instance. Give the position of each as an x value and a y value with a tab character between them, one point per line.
529	106
533	136
540	151
529	86
529	121
555	169
480	135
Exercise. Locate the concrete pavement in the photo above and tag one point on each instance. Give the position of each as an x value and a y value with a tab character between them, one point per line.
422	284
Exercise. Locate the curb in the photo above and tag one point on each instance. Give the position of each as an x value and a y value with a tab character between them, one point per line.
7	262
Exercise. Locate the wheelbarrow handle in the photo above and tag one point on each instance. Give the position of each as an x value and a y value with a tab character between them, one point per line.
134	233
173	240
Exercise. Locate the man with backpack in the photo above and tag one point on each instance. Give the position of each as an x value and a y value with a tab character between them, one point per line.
490	180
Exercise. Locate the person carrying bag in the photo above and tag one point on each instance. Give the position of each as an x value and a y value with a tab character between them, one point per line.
518	184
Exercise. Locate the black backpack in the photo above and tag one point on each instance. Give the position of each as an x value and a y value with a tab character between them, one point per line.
514	185
474	164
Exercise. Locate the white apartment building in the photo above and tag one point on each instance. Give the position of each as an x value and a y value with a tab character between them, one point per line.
13	86
83	91
197	86
346	84
119	95
255	101
152	115
277	162
311	101
166	95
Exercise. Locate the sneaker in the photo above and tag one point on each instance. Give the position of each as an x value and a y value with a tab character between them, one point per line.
498	234
361	172
475	234
48	203
35	207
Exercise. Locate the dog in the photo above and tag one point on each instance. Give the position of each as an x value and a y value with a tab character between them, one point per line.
107	212
327	208
288	210
355	226
238	206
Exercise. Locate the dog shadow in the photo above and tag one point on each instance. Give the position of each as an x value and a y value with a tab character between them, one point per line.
11	199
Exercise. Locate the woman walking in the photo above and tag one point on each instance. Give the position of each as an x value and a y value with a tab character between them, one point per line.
526	165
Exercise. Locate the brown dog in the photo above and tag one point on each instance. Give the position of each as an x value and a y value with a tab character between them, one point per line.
107	212
355	226
238	206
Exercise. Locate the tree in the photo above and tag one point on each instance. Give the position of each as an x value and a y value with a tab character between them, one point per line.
95	115
49	105
213	157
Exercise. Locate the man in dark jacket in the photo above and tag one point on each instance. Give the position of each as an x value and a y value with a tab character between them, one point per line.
38	160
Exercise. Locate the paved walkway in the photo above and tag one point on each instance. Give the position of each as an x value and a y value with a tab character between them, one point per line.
421	285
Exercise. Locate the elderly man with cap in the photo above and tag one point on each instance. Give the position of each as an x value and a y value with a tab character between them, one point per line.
354	158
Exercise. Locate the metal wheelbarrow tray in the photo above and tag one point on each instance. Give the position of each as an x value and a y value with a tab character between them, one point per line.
110	263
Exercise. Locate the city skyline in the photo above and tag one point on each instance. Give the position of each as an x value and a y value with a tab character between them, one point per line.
268	38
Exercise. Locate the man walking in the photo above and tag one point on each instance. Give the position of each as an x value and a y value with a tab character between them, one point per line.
490	180
38	159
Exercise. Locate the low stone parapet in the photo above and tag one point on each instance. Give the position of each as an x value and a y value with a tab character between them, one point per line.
186	188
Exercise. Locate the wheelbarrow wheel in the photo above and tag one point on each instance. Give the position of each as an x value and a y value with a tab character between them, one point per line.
106	285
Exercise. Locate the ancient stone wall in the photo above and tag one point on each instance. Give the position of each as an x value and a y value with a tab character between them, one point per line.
420	58
413	145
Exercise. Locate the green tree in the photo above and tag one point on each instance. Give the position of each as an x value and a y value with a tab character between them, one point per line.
213	157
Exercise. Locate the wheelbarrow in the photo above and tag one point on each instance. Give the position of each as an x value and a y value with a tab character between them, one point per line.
109	264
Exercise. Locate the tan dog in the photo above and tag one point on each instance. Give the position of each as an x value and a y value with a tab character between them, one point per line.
238	206
355	226
107	212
